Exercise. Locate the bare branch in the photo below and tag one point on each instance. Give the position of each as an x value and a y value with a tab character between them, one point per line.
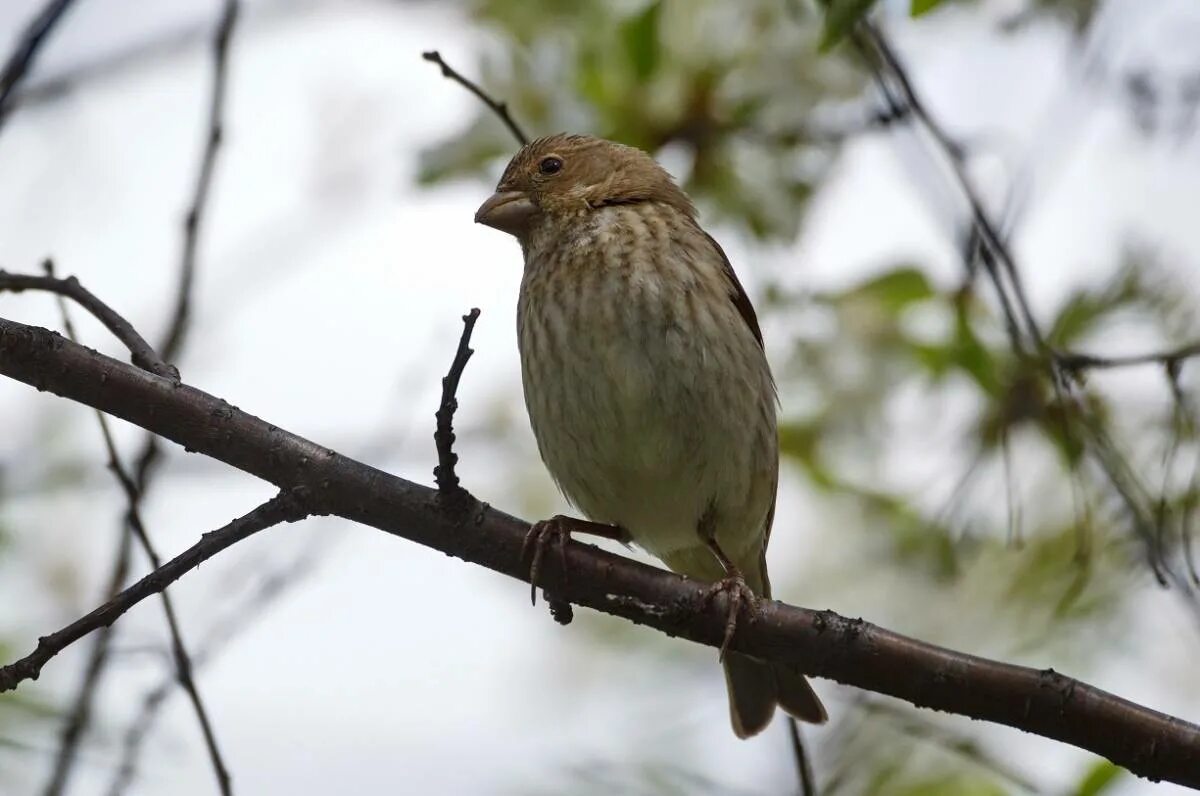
142	354
821	643
1076	362
285	507
808	784
443	437
26	51
269	589
183	662
208	161
500	107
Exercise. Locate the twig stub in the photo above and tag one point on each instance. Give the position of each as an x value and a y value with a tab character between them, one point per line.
444	474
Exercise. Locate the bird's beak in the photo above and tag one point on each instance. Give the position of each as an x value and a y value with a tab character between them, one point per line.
507	211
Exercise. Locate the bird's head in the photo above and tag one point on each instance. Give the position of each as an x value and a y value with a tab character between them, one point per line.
567	176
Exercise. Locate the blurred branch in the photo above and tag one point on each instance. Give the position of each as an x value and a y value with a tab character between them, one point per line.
808	784
142	354
820	643
287	506
26	51
183	662
444	475
1169	359
195	214
79	715
170	348
500	107
269	589
892	76
993	252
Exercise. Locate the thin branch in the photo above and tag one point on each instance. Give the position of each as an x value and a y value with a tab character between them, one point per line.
821	643
808	784
142	354
80	713
269	589
183	662
498	106
204	178
284	507
26	51
443	437
1076	362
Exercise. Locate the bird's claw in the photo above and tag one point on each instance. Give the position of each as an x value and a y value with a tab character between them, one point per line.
740	597
541	534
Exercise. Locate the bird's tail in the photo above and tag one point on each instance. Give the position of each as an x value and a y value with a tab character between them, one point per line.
757	687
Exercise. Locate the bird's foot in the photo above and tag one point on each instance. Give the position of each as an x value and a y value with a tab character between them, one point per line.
557	531
741	597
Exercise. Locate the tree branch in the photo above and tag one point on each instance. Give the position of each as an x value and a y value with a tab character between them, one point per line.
500	107
26	51
142	353
1172	358
821	643
179	653
285	507
204	178
443	474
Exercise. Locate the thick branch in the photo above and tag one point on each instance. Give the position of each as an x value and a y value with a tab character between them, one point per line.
820	643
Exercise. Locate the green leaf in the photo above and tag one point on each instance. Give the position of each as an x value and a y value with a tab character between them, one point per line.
896	290
920	7
640	37
840	18
1099	778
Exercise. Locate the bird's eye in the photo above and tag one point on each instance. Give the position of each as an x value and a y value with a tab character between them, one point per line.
550	165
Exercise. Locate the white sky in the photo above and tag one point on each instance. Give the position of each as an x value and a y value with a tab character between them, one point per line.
328	301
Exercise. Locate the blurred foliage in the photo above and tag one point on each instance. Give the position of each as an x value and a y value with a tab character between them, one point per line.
696	82
953	466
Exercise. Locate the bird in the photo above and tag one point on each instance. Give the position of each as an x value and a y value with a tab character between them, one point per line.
646	381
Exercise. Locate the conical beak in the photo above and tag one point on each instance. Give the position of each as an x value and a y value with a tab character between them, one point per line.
507	211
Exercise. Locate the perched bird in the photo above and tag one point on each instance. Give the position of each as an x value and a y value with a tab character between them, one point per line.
645	378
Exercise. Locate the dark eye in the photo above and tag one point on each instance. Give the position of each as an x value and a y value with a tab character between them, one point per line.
550	165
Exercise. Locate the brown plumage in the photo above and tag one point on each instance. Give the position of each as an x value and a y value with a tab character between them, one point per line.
645	377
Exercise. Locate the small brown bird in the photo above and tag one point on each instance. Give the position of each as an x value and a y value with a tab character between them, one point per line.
645	378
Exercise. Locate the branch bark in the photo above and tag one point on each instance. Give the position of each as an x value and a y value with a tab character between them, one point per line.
821	643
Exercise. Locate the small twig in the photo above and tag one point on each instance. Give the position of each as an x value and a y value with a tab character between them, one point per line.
808	784
142	354
443	437
26	51
183	662
287	506
500	107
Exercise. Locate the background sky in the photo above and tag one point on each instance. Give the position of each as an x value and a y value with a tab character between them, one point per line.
328	301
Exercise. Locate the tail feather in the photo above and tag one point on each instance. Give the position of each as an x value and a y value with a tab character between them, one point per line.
756	687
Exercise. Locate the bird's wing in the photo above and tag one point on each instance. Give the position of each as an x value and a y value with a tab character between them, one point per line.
740	299
746	310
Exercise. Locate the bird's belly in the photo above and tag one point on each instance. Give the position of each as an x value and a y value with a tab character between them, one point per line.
648	431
